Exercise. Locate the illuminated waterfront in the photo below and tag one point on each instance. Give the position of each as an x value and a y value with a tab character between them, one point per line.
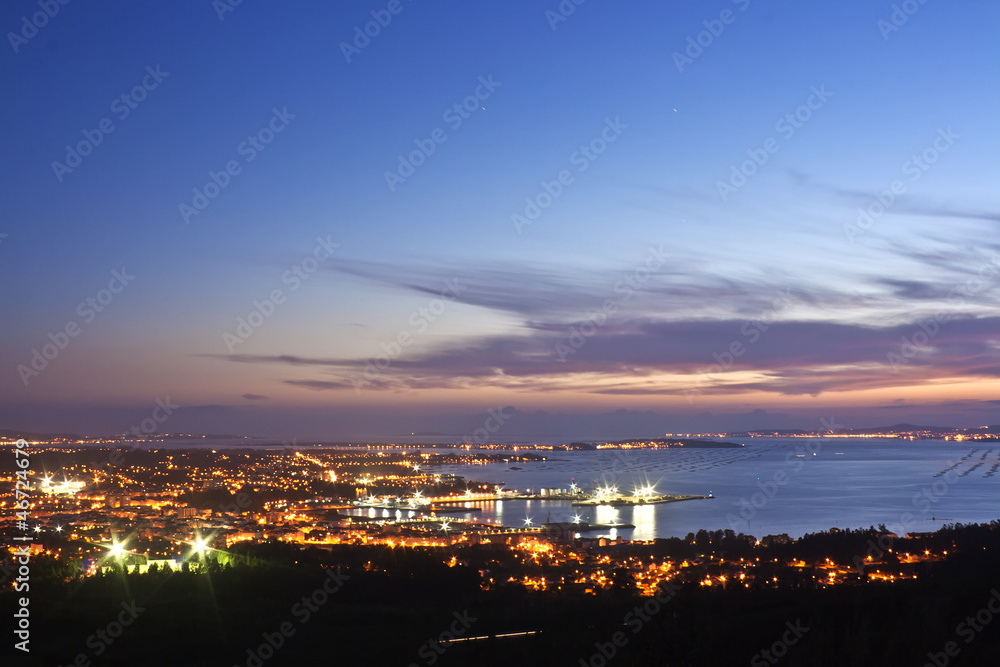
845	484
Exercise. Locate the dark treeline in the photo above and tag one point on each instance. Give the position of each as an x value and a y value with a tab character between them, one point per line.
387	603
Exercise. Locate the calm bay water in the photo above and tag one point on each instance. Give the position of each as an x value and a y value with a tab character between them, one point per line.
770	486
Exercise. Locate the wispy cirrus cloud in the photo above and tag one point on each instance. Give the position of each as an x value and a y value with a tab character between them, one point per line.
667	331
634	357
679	291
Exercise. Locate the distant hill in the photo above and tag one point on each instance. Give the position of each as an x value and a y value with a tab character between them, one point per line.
909	428
8	434
895	429
902	428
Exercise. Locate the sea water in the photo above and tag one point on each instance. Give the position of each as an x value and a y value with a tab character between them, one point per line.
769	486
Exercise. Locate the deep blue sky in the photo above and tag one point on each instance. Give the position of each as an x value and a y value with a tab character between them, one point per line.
854	294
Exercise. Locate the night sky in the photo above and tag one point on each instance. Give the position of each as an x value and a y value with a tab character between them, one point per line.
616	219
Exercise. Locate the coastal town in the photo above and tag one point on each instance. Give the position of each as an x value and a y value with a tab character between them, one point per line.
93	509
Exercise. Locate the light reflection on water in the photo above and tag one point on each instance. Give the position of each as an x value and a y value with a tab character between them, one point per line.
644	518
847	485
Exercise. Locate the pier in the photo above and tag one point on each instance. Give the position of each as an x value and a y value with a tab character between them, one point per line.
629	501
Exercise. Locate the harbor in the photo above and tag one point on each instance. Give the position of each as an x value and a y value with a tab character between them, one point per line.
606	496
641	495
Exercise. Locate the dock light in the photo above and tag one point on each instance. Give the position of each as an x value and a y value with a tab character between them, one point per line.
527	521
